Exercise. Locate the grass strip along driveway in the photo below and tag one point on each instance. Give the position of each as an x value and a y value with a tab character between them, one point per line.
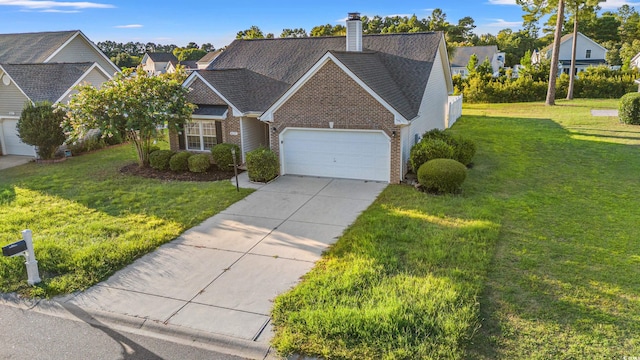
538	258
88	220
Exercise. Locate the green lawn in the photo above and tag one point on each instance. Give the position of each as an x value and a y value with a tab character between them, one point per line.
538	258
88	220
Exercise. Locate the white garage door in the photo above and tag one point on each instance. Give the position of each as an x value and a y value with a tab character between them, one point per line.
347	154
12	143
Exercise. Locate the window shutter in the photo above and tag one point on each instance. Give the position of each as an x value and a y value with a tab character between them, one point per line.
219	132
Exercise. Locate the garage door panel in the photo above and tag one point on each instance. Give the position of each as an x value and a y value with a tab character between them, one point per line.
337	153
12	142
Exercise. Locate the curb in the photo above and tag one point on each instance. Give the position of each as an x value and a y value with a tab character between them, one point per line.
140	326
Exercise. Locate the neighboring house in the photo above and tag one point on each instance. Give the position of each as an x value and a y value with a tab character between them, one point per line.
43	67
588	53
328	106
155	63
462	55
206	60
188	65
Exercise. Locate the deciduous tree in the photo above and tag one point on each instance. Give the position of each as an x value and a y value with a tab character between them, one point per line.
137	105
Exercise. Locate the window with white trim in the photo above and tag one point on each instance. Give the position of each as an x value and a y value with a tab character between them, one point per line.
200	135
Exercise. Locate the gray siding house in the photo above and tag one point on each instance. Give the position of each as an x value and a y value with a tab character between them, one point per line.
43	67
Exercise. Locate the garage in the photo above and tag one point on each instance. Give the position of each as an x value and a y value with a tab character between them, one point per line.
349	154
11	143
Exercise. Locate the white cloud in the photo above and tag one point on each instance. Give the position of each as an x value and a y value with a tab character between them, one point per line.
614	4
502	24
53	6
130	26
502	2
57	11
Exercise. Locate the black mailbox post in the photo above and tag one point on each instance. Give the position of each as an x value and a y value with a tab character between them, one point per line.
15	248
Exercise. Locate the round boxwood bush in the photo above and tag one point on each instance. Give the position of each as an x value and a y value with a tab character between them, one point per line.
428	149
179	162
159	159
222	156
629	109
439	134
199	163
464	150
262	165
442	175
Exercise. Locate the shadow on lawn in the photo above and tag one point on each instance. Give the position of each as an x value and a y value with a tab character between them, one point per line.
564	274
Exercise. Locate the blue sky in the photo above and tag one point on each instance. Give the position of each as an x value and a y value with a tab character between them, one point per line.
217	22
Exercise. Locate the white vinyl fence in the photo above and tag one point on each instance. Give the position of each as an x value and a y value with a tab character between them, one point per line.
454	110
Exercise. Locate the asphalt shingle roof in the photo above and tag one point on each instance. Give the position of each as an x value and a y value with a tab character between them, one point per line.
211	110
46	82
31	47
395	66
209	57
462	54
245	89
162	57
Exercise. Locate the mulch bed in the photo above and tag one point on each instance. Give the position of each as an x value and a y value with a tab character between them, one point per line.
148	172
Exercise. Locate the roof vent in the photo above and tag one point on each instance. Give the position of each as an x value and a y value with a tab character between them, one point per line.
354	32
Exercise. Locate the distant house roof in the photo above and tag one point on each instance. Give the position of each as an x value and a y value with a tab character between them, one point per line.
253	74
462	54
31	47
161	57
209	57
46	82
189	64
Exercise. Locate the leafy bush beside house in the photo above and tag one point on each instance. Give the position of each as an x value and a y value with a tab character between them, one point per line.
39	125
443	176
159	159
199	163
179	162
222	156
262	165
629	109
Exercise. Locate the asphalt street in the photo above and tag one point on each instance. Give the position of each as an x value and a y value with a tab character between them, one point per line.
28	334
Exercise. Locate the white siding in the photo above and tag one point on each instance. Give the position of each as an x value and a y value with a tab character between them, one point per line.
254	134
12	100
78	50
583	44
407	142
433	108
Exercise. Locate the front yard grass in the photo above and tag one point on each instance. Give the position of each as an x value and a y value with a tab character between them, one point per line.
539	258
88	220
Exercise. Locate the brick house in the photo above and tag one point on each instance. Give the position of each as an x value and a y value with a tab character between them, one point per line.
325	110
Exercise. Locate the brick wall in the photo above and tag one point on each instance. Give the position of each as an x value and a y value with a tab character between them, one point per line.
331	95
202	94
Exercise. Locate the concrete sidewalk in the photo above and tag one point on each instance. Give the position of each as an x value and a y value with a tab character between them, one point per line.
218	280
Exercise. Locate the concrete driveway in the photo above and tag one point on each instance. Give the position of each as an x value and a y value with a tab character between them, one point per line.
218	279
9	161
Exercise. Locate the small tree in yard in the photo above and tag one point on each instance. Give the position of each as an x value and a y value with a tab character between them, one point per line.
39	125
137	105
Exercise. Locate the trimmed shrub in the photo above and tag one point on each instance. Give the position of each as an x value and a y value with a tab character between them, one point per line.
159	159
428	149
464	150
629	109
442	175
439	134
199	163
151	148
39	125
262	165
179	162
222	156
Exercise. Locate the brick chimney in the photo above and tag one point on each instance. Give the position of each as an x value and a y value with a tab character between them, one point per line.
354	32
